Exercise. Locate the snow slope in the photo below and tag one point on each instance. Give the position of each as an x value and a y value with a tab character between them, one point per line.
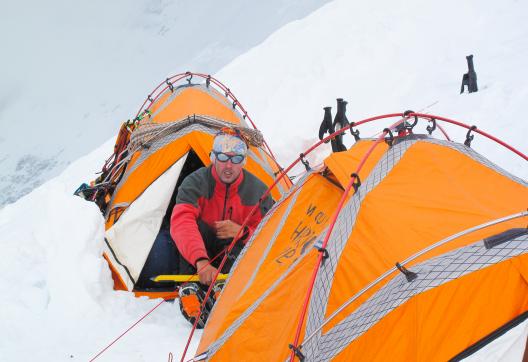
72	71
384	56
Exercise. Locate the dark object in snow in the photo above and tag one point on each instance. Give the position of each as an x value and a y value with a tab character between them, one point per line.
340	121
326	125
470	78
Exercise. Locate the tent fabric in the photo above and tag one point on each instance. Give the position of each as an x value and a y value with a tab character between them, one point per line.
181	120
199	99
314	198
413	194
430	274
509	346
163	153
134	235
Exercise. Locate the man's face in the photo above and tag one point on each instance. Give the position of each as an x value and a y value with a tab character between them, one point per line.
228	171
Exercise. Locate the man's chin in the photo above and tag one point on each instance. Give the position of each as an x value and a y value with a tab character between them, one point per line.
227	180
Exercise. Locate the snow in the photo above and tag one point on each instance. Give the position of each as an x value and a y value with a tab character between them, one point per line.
72	71
383	57
59	300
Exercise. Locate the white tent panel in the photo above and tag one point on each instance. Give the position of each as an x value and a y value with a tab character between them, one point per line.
132	237
507	348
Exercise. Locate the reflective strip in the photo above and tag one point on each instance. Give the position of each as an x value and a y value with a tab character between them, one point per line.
215	346
347	219
410	259
215	94
177	92
272	240
430	274
257	231
265	156
220	341
265	166
156	146
339	238
170	133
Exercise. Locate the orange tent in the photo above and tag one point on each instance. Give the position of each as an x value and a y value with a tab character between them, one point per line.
425	262
170	138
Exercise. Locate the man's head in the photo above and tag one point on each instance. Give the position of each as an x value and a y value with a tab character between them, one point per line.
228	155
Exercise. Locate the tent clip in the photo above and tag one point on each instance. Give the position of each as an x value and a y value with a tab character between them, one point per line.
391	136
297	352
169	83
227	92
149	97
354	132
430	129
357	181
190	77
235	103
409	126
408	274
322	250
278	172
305	162
469	136
208	81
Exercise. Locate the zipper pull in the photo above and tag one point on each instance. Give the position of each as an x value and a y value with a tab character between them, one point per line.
230	212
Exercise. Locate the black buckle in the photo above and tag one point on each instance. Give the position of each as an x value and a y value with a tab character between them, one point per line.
297	352
357	181
408	274
469	136
305	162
430	129
354	132
389	140
171	86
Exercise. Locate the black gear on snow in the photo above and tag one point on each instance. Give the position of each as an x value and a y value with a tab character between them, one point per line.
470	78
326	124
340	121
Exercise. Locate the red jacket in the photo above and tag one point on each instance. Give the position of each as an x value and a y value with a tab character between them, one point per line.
202	197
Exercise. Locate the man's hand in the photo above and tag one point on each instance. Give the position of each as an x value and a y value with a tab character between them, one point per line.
226	229
206	271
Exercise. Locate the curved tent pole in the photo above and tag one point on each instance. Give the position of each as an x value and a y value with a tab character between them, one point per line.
408	260
284	172
447	120
169	84
322	250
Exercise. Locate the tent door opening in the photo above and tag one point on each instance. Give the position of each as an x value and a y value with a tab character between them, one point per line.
164	257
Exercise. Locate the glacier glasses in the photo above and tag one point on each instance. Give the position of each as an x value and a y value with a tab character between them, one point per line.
222	157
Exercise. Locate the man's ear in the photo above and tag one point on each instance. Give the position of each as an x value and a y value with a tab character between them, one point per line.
212	157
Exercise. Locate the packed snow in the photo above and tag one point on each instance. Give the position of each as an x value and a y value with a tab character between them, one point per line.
382	57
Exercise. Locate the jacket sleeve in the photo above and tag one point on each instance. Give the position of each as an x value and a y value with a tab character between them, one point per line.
183	226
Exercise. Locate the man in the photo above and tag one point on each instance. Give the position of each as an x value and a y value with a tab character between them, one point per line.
211	205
